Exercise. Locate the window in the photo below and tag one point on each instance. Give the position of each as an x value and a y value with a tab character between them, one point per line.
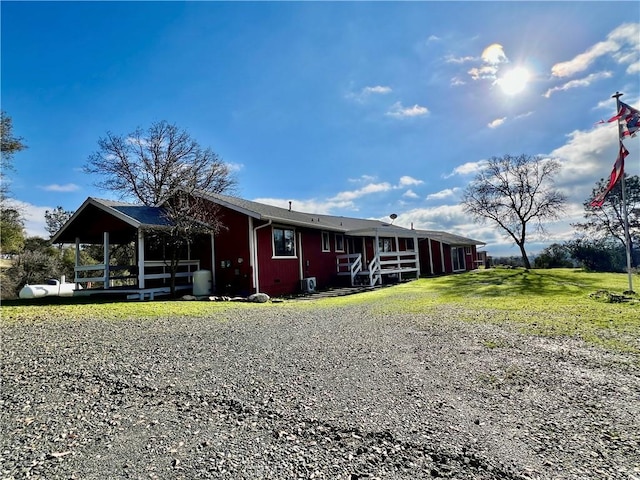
385	244
467	250
284	244
410	245
326	247
339	243
457	258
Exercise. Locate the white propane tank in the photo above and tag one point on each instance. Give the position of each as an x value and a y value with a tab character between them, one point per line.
202	283
53	288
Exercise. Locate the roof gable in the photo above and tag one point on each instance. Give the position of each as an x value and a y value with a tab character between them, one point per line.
135	216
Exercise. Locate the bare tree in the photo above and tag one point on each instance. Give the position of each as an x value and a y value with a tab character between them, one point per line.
514	191
164	166
607	221
150	166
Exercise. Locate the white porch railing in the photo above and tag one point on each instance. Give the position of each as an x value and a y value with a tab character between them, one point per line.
350	264
385	263
374	271
399	261
101	273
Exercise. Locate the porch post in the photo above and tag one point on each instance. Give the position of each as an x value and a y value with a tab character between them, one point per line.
376	248
140	259
253	258
213	263
430	256
442	258
416	248
300	265
105	260
75	272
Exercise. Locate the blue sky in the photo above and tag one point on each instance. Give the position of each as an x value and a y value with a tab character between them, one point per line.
360	109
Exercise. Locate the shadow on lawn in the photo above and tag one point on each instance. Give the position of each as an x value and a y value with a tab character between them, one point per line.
500	283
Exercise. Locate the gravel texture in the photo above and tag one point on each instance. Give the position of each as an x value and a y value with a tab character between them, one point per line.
332	393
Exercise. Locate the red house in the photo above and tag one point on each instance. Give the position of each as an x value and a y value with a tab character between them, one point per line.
262	248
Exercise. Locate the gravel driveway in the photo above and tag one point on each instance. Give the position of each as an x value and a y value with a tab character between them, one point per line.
335	393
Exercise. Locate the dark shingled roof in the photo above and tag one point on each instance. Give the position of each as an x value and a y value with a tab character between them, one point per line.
313	220
140	216
448	238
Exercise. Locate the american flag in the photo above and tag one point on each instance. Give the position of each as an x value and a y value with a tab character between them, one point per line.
628	120
616	174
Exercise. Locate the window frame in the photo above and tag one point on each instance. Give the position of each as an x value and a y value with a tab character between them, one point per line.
325	242
384	243
274	254
340	248
458	258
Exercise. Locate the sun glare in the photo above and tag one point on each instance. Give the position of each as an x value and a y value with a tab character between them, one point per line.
514	81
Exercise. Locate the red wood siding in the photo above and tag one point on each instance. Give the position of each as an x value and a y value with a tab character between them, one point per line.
277	276
233	277
438	252
315	262
470	258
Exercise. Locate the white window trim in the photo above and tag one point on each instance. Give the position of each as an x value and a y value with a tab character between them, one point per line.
328	243
273	243
341	250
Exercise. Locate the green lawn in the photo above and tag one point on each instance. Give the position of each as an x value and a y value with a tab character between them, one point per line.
545	302
541	302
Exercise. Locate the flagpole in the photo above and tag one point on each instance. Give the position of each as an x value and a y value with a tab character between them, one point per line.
625	216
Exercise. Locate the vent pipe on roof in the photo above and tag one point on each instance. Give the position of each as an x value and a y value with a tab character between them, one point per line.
289	205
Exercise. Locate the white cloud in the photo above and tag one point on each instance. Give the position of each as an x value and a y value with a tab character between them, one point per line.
33	216
634	68
378	89
497	122
585	158
406	181
362	178
410	194
468	168
235	167
54	187
366	190
486	72
309	206
449	218
398	111
618	43
446	193
494	54
582	82
367	92
459	60
492	57
523	115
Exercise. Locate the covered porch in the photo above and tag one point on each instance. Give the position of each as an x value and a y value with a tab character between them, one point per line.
379	255
131	264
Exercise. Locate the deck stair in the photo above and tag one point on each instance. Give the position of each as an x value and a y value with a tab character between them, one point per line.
386	263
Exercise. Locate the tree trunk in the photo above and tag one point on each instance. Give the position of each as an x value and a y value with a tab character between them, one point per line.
525	258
